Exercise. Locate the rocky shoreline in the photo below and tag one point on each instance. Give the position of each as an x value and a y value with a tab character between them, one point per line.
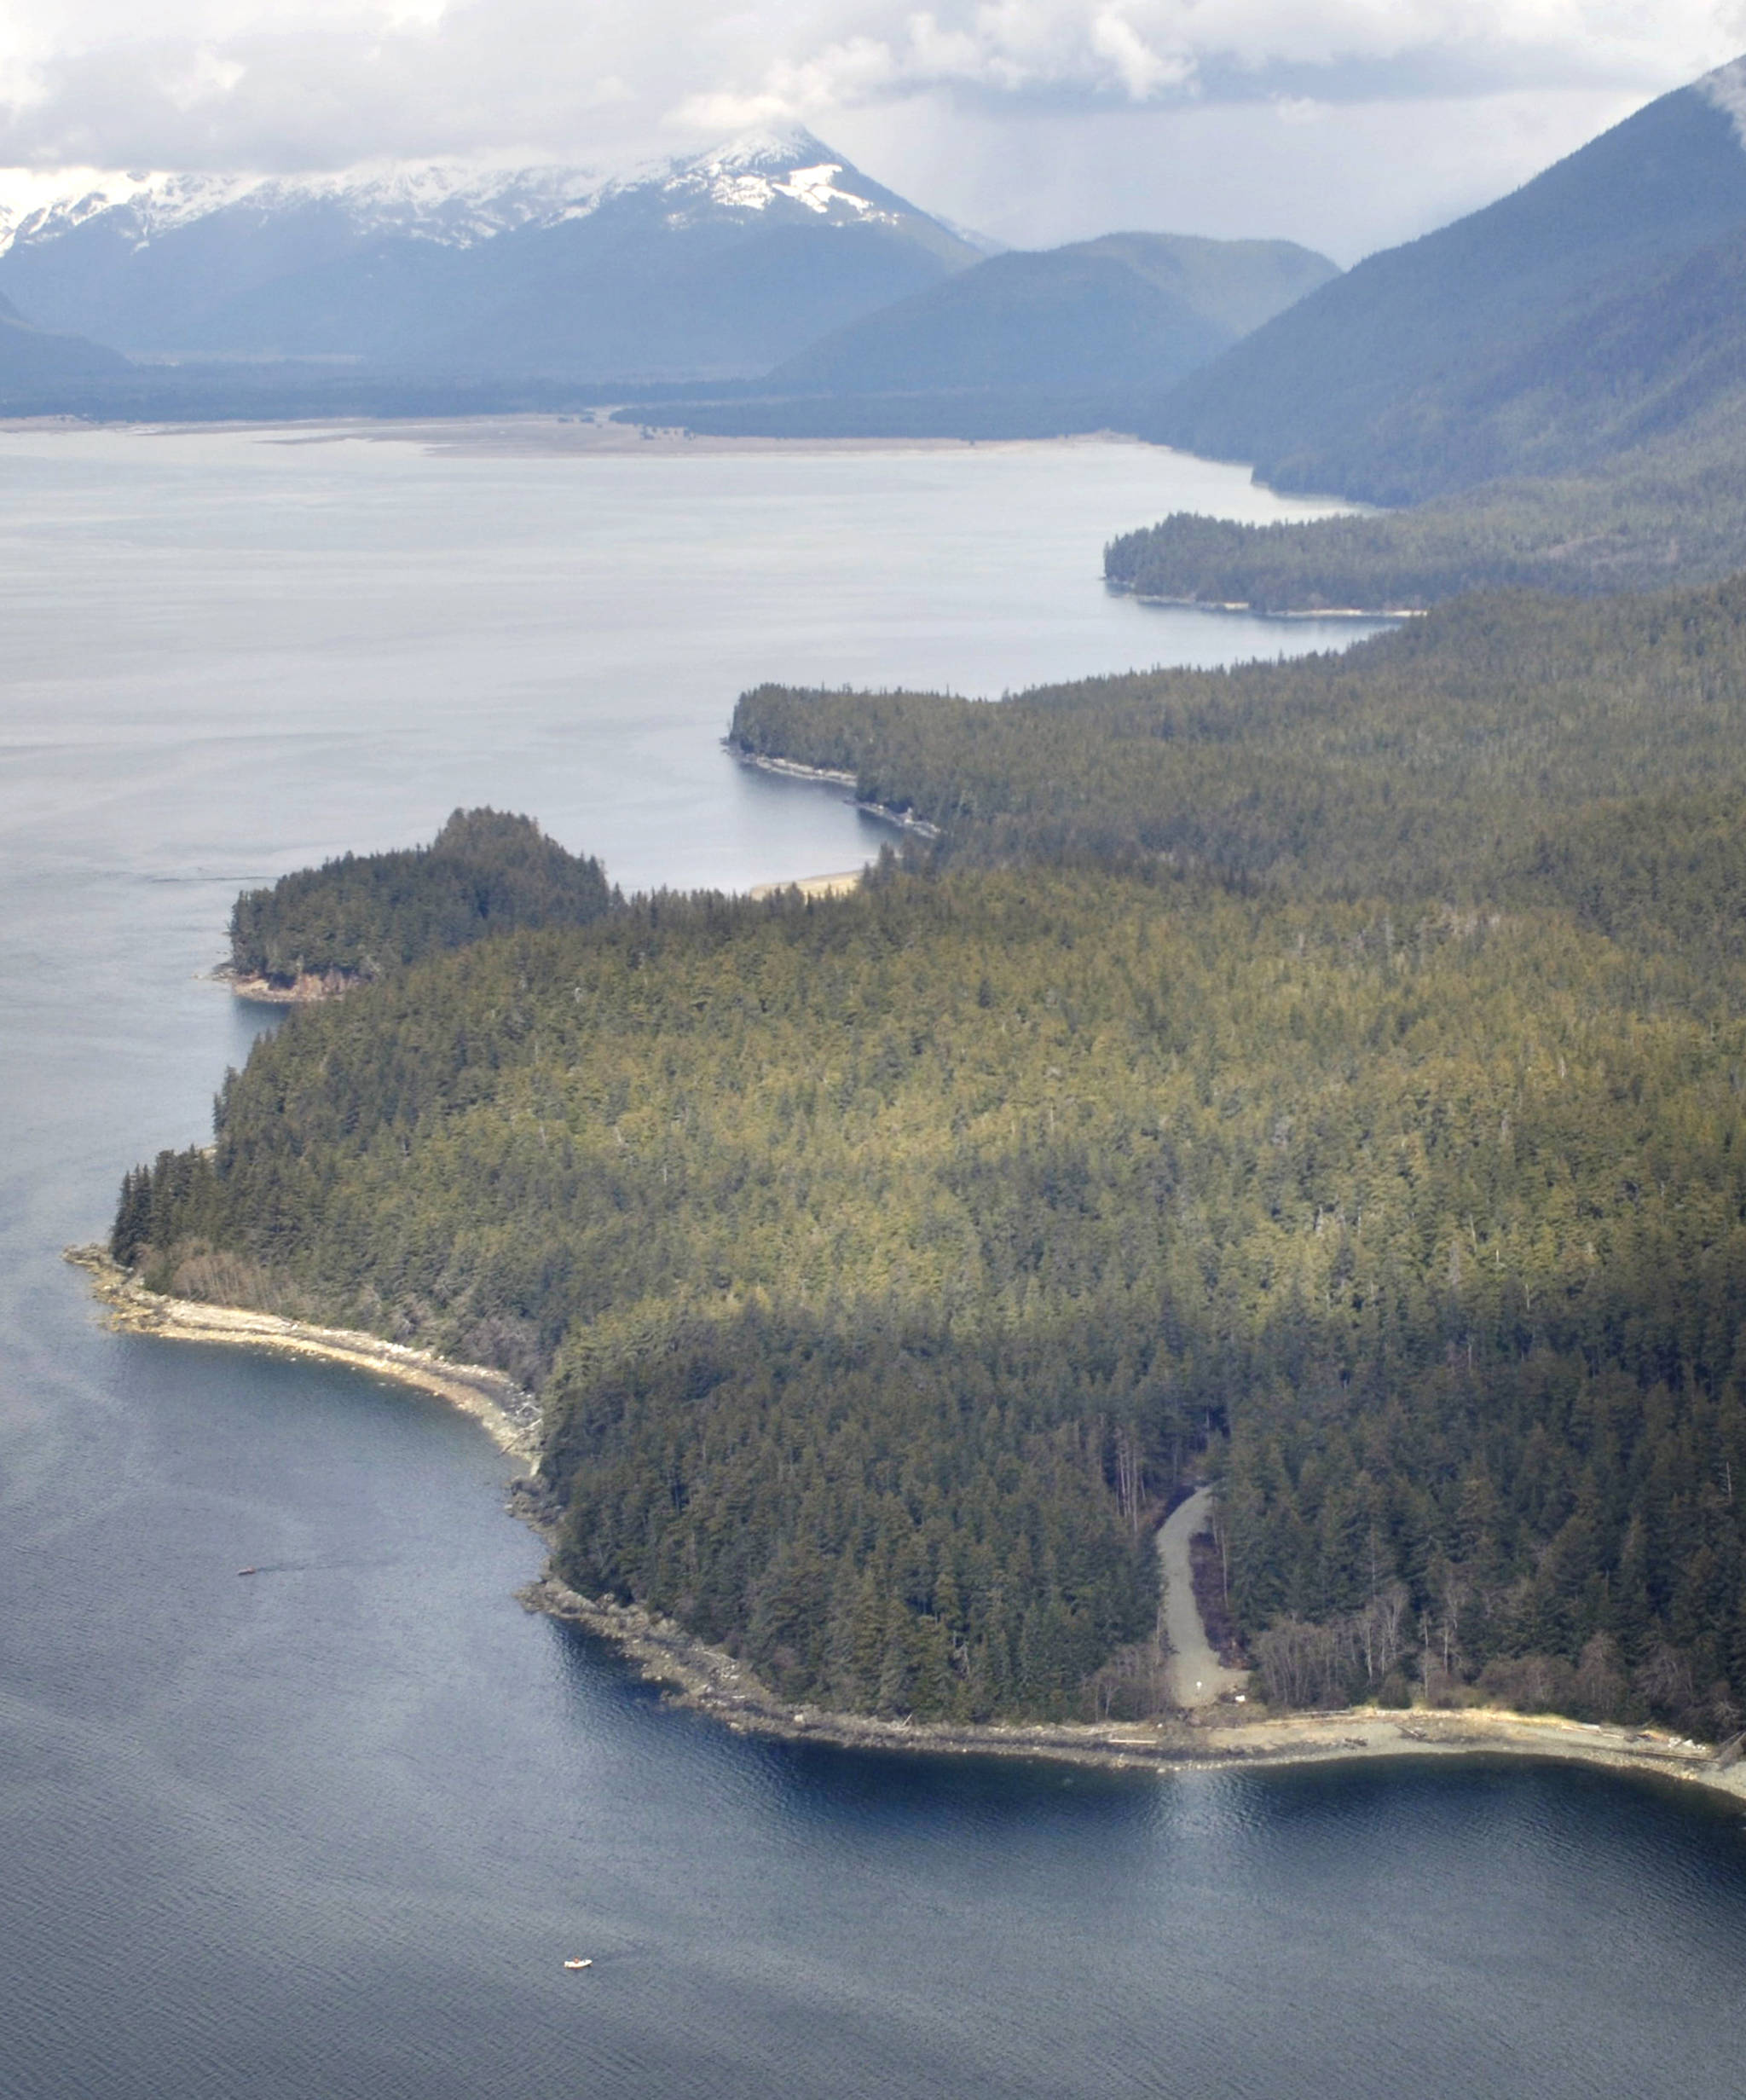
304	990
1242	604
708	1680
791	769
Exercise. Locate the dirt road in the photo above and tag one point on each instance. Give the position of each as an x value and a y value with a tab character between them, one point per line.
1197	1675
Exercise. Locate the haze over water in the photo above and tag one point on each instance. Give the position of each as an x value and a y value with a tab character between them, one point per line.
332	1831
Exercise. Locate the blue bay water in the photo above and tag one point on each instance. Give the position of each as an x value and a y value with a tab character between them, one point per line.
332	1831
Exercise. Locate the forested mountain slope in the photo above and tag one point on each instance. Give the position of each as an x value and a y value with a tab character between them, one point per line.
1544	332
1670	511
1338	1065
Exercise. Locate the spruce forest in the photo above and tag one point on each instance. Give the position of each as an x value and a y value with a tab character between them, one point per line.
362	915
1326	1077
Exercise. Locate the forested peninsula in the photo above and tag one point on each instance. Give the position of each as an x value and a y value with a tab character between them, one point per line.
1667	513
1324	1076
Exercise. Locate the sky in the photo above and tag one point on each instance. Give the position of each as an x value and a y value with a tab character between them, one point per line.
1348	124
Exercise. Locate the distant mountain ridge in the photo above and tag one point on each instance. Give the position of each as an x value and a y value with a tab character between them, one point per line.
1127	310
1435	366
714	265
460	203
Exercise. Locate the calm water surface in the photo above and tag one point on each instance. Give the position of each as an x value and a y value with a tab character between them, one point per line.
330	1832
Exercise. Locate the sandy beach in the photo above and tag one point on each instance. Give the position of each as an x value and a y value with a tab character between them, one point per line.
838	885
509	1414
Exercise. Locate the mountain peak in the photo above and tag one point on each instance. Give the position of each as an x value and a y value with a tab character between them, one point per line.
371	263
455	203
786	145
759	169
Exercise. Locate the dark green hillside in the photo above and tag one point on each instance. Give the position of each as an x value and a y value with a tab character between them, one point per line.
1670	512
890	1258
364	914
1469	354
1664	359
1429	763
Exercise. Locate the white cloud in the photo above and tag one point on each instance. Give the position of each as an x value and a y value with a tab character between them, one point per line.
1345	179
292	84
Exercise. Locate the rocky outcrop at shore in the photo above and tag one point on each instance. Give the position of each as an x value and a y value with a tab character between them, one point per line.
791	769
709	1681
304	990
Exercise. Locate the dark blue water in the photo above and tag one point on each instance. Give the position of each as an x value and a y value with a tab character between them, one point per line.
332	1831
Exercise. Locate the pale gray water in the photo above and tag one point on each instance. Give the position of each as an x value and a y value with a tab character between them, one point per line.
330	1832
309	647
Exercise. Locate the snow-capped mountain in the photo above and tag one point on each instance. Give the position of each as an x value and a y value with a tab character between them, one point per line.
718	264
454	203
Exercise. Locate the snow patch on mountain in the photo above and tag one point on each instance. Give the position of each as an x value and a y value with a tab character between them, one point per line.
749	173
456	204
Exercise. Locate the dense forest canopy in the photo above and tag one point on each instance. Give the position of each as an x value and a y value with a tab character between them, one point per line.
1665	513
1504	749
362	915
1328	1072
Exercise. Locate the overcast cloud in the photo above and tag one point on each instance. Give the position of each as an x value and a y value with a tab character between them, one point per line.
1347	123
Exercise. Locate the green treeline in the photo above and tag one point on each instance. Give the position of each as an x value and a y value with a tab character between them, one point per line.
1504	750
1671	515
362	915
1333	1071
884	1261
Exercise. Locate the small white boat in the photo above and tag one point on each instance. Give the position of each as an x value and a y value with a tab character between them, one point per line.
584	1963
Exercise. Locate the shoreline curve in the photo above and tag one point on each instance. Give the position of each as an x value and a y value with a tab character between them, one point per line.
507	1412
710	1681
